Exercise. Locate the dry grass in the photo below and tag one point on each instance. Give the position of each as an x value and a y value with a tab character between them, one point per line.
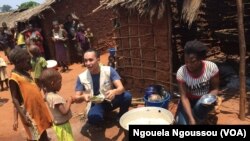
190	10
152	8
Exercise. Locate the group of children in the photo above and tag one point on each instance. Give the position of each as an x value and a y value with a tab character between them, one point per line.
28	99
26	89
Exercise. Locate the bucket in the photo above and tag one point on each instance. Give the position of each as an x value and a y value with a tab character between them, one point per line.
157	89
112	51
163	103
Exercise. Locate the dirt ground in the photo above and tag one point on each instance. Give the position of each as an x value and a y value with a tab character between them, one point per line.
228	115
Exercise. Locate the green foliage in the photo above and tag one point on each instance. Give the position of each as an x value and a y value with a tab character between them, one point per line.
27	5
5	8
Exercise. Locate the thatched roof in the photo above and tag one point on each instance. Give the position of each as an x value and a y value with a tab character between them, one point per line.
190	10
4	16
153	8
16	16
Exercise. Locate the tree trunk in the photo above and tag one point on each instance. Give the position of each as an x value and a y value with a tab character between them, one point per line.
242	46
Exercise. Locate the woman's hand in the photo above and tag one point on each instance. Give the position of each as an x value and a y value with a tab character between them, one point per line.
192	122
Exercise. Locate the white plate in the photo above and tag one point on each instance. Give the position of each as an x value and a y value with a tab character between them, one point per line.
51	63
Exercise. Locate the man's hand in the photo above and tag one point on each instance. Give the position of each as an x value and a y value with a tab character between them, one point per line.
110	95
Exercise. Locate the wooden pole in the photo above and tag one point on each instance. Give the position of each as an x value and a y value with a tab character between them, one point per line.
242	46
169	40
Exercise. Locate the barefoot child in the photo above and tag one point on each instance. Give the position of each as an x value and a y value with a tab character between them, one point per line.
3	74
27	98
51	82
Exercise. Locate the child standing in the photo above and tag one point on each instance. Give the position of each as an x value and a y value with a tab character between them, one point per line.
51	82
27	98
90	36
3	74
38	63
111	61
82	44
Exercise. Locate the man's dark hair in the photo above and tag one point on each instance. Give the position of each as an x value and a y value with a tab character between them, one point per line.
196	47
97	54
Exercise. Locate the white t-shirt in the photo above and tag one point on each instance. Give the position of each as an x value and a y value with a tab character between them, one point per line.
197	86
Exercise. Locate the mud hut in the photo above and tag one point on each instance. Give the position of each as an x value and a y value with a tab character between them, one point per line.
142	31
50	10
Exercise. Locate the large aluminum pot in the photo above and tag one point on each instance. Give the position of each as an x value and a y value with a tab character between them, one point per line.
146	116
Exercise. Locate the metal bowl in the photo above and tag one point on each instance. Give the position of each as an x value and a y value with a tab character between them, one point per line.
208	99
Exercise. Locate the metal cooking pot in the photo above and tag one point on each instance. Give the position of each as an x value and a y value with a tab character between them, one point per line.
147	116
